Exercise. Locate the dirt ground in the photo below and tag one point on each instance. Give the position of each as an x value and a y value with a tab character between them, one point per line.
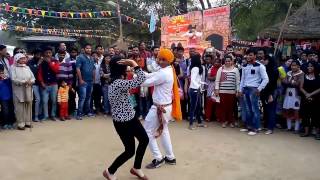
80	150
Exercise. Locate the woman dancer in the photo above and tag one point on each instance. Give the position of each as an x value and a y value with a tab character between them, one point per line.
126	124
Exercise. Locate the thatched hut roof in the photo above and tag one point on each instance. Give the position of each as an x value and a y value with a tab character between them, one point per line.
303	24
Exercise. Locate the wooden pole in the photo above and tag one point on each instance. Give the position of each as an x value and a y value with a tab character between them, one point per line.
281	30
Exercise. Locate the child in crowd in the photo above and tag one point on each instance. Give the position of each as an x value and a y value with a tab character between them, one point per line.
5	100
291	104
63	97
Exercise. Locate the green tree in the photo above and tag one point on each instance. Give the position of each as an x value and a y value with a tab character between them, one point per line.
249	17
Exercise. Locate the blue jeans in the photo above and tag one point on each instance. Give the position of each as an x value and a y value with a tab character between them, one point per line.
269	115
243	110
85	91
106	104
37	101
49	92
251	104
195	105
144	106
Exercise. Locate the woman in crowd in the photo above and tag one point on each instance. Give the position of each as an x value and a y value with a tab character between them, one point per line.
280	92
125	122
22	81
291	104
105	80
227	87
196	71
310	89
210	104
267	95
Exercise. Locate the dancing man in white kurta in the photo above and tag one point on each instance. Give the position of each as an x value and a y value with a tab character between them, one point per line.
162	110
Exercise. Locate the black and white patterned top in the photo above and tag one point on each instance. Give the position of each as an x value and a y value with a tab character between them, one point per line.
121	107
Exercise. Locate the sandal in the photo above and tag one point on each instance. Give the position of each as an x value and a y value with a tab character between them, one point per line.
107	175
133	172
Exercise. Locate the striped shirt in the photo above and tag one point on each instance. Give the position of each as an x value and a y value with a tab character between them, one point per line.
227	81
65	73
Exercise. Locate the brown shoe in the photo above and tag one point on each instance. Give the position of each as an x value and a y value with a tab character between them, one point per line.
133	172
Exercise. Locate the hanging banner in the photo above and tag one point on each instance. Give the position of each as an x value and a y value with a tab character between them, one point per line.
197	30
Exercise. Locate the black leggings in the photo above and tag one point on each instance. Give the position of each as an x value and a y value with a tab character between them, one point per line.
127	132
309	114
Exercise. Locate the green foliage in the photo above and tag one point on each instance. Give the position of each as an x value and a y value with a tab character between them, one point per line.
249	17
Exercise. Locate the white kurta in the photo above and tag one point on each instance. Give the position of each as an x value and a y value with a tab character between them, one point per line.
162	81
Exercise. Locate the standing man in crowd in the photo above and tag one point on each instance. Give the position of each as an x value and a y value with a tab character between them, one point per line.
142	99
152	64
86	75
100	53
184	81
4	61
97	89
73	88
261	55
143	52
47	76
34	65
62	48
111	51
254	79
66	75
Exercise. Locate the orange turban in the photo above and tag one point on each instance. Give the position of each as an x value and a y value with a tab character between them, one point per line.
167	55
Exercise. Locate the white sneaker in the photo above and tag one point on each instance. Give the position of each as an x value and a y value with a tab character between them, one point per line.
252	133
244	130
268	132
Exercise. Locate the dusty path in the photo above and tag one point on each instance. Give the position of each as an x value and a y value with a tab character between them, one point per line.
80	150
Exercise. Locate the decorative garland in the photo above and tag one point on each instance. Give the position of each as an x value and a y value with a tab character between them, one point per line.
71	15
56	32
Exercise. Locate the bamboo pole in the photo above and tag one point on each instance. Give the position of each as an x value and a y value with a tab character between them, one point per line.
281	30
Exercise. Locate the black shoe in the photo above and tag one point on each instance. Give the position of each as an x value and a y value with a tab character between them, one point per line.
21	128
28	126
155	164
170	161
53	119
304	135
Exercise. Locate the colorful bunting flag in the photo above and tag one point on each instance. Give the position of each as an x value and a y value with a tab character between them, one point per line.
23	10
14	8
81	14
7	8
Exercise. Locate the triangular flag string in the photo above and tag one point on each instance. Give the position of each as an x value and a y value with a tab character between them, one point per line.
68	15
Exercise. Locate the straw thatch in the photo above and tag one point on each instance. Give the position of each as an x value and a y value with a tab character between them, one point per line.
303	24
